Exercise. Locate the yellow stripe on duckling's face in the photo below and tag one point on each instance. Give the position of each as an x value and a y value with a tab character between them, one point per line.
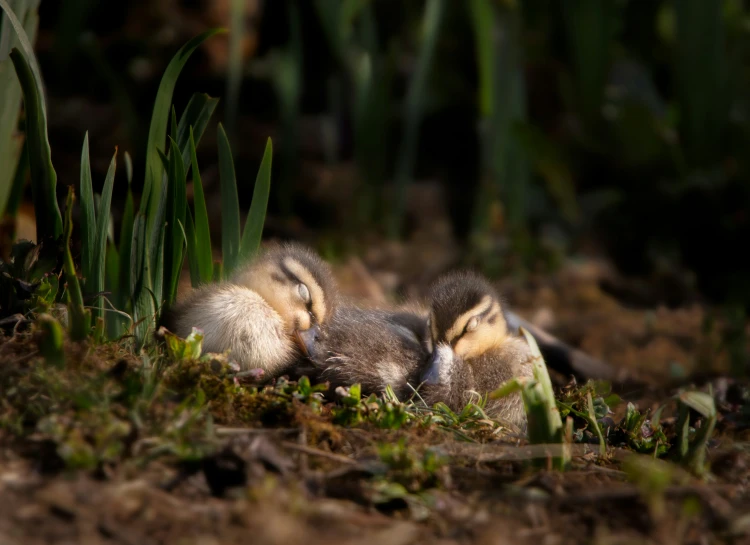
317	297
490	331
457	329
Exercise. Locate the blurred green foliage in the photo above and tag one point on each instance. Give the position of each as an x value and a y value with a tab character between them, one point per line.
620	120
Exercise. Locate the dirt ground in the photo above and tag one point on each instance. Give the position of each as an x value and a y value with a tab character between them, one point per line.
307	480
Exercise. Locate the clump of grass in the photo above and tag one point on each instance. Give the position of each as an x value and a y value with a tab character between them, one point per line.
144	267
385	411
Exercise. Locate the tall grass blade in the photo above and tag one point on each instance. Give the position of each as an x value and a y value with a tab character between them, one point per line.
10	97
142	295
79	318
256	217
159	119
43	176
126	239
234	70
195	274
19	179
88	216
433	16
287	82
203	255
174	237
95	284
504	168
701	78
230	208
589	30
196	116
545	424
112	284
155	247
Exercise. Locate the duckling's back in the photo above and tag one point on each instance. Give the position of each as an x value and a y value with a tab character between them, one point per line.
374	348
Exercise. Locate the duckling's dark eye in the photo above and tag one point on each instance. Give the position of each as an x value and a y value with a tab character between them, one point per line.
304	293
472	324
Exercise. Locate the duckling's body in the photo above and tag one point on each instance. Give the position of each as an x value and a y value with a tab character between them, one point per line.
472	351
258	314
370	347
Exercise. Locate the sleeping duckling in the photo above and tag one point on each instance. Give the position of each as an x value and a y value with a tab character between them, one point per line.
374	348
260	312
471	348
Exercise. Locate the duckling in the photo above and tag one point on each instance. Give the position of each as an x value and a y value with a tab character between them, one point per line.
259	313
372	347
471	348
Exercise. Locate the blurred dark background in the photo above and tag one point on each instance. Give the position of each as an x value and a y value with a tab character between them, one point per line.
519	133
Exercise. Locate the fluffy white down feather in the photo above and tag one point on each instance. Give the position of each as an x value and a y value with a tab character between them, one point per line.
239	319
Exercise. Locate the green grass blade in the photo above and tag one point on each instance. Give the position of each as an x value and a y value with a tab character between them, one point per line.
128	168
287	82
157	294
196	116
140	274
88	217
155	246
174	238
230	208
590	31
544	421
126	240
111	284
79	318
19	179
195	274
202	231
11	143
43	176
701	71
234	70
157	133
482	18
433	16
256	217
173	126
100	247
218	271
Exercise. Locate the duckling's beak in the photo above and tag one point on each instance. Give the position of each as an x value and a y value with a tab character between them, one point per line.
307	338
441	360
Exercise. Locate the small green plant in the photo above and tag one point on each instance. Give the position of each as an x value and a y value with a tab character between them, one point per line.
590	403
180	349
640	434
51	340
692	454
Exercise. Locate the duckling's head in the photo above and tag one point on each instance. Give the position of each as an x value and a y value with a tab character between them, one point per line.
466	321
296	283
